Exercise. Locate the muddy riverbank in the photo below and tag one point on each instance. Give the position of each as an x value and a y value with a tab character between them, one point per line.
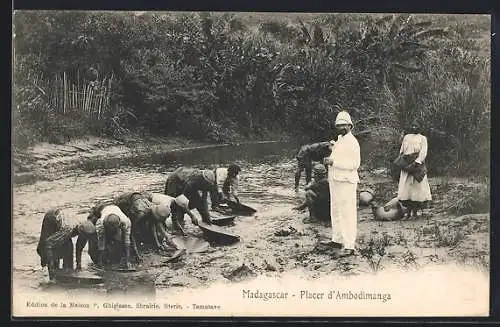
274	242
49	161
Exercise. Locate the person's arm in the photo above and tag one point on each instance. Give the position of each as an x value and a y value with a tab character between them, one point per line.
423	151
356	155
214	200
101	240
328	160
126	228
234	188
311	186
81	241
219	181
205	214
191	215
216	194
183	204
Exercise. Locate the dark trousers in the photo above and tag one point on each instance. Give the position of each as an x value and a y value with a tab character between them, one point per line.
319	207
63	252
303	164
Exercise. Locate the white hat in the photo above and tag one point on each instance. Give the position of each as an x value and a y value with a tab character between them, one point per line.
161	212
182	201
343	117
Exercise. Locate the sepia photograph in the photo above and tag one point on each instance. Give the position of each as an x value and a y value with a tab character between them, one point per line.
243	164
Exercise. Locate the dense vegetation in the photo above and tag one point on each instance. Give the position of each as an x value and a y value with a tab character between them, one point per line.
221	77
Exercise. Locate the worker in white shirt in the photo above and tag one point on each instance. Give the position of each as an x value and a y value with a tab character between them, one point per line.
112	223
227	180
343	179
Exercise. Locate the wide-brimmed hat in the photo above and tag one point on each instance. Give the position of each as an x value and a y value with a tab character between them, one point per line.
161	211
182	201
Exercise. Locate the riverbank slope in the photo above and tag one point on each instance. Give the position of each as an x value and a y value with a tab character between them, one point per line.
49	161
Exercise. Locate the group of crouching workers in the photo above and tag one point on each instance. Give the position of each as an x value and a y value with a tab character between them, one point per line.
113	228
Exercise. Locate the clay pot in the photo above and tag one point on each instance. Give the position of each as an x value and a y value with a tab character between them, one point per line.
393	210
394	203
365	197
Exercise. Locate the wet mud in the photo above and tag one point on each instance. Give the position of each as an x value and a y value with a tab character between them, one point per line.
272	241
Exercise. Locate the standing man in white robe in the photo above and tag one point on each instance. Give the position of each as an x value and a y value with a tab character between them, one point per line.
343	179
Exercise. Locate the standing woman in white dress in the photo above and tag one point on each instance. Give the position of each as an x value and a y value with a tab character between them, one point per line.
414	190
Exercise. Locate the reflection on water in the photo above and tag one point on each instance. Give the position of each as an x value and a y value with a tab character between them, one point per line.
252	153
266	184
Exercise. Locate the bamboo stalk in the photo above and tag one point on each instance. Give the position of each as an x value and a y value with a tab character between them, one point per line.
58	85
99	106
91	98
91	105
64	92
78	87
88	97
56	93
70	94
94	102
103	95
108	95
74	96
89	101
84	97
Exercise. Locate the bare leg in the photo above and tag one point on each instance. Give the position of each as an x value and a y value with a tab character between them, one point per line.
134	247
68	255
310	200
308	169
178	215
298	172
160	234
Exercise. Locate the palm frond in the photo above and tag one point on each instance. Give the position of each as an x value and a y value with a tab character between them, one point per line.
435	32
397	22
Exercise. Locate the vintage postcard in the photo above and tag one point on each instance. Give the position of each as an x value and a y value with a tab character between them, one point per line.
250	164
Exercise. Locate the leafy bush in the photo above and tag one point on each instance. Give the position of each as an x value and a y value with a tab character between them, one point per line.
215	77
